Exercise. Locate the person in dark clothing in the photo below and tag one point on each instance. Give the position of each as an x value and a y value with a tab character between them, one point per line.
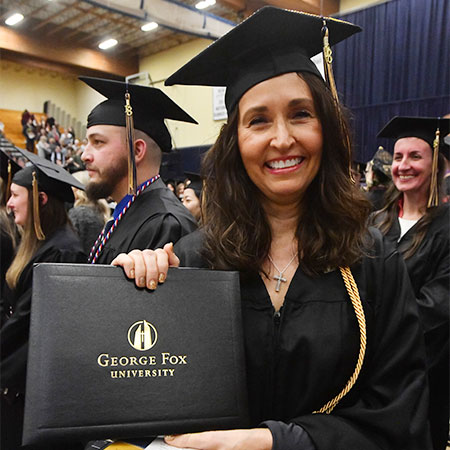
378	177
47	237
334	350
417	224
151	216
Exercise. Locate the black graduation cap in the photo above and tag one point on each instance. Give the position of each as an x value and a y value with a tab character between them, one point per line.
150	107
271	42
382	162
8	167
421	127
51	178
196	182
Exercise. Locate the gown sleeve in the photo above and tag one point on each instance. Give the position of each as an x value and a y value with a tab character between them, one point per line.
387	408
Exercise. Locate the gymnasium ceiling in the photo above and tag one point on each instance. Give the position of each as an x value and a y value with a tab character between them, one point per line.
63	35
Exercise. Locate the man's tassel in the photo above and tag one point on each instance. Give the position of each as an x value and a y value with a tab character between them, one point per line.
129	130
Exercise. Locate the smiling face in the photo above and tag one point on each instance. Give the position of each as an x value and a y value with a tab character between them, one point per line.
411	166
280	137
18	203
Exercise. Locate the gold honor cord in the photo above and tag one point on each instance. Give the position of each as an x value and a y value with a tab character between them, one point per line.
129	131
433	199
329	77
353	293
36	218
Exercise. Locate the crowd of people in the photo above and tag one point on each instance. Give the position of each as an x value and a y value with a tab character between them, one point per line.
345	296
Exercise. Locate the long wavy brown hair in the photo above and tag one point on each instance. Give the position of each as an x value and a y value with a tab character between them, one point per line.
52	216
331	229
385	218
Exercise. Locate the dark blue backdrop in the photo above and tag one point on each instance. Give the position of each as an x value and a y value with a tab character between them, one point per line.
398	65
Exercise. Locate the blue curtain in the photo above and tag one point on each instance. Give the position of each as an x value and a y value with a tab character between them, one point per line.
398	65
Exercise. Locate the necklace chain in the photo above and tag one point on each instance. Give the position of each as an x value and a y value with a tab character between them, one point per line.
279	278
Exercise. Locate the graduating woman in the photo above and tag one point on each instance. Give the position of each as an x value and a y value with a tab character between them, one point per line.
417	224
38	193
334	351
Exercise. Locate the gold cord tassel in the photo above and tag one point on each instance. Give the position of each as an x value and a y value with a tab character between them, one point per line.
433	199
353	293
329	77
8	184
129	130
36	218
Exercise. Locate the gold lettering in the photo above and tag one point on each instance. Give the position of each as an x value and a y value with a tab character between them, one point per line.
141	373
122	373
113	373
124	361
152	360
114	360
103	360
147	373
133	361
143	361
165	357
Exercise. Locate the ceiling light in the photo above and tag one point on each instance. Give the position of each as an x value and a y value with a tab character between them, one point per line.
149	26
205	4
14	19
107	44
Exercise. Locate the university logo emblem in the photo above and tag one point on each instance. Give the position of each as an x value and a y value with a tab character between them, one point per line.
142	335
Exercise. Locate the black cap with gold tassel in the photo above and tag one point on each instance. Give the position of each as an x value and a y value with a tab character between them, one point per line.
429	130
44	176
8	167
129	131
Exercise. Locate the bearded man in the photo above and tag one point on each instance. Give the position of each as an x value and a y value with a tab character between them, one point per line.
153	216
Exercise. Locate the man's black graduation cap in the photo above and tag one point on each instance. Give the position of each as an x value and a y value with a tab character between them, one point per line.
51	178
150	107
269	43
421	127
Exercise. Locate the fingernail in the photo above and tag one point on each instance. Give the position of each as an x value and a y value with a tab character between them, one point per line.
161	278
132	273
142	281
169	437
152	285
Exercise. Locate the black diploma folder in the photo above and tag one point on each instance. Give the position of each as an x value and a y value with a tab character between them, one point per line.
109	360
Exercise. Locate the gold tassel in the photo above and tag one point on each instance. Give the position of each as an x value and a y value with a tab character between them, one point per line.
329	77
129	130
8	184
36	219
433	199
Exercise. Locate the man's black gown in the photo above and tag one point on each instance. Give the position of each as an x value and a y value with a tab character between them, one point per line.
154	219
63	246
300	359
429	272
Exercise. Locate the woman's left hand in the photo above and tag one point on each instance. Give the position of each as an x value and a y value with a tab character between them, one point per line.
254	439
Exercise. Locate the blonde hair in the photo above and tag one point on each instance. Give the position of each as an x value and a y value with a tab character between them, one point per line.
81	199
52	216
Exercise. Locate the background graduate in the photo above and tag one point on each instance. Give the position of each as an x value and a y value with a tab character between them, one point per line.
417	224
280	207
124	155
38	193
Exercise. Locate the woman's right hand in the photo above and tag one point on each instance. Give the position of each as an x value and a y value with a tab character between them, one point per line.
148	267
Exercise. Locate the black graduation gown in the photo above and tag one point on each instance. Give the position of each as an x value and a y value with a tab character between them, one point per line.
154	219
299	360
63	246
429	272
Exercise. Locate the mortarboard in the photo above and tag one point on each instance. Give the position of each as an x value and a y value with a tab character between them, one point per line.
43	175
8	167
429	129
196	183
257	50
150	107
382	162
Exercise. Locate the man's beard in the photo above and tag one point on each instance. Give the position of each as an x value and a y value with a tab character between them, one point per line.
109	178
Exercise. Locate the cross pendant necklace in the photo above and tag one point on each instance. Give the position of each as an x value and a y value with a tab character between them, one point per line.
279	278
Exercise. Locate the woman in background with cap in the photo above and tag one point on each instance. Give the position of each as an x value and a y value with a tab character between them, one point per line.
279	207
47	236
417	224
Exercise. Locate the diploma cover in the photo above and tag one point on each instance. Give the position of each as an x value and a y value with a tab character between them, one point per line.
109	360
